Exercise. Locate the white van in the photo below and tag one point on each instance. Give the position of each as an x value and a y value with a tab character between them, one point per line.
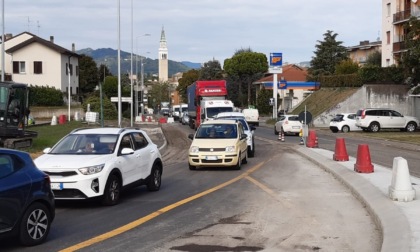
176	111
252	116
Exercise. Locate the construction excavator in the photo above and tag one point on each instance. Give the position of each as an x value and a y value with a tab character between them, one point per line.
14	112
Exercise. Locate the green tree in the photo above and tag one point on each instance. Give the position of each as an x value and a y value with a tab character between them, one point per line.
103	72
246	67
410	60
88	75
263	99
187	79
374	59
159	92
328	54
211	70
346	67
110	109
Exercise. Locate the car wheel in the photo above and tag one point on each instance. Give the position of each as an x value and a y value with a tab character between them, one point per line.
345	129
275	131
411	127
239	164
192	167
112	191
251	153
334	130
35	225
374	127
155	179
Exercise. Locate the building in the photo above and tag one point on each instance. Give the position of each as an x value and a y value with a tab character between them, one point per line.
35	61
292	85
163	57
361	52
396	13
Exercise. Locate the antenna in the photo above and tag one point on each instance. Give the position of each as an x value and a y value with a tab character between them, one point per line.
379	36
29	25
38	26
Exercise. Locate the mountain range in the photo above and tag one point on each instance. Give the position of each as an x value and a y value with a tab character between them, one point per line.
108	56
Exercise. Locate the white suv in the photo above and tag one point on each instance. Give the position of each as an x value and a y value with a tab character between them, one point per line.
375	119
100	162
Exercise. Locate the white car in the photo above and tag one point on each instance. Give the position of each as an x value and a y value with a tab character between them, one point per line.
252	116
344	122
218	143
289	124
375	119
100	162
248	130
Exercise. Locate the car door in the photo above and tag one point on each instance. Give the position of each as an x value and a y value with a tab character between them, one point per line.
396	119
351	120
127	162
15	186
144	155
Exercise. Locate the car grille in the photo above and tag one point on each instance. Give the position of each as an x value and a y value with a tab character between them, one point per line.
211	149
61	174
69	194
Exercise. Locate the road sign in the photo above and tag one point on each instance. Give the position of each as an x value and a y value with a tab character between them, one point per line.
305	117
123	99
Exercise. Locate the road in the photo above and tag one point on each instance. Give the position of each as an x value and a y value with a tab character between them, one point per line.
277	202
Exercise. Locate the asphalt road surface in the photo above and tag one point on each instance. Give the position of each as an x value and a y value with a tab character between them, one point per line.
278	201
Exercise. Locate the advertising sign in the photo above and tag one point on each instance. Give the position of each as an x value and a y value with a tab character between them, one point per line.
276	59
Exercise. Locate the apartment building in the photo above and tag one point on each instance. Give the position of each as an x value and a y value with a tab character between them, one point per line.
396	13
361	52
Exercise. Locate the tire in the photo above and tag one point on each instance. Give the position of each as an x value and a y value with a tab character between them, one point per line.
239	164
411	127
192	167
345	129
374	127
155	178
334	131
245	160
251	153
112	191
35	225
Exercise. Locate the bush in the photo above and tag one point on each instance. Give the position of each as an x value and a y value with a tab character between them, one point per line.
109	109
45	96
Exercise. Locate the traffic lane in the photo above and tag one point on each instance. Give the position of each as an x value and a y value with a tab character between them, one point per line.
288	204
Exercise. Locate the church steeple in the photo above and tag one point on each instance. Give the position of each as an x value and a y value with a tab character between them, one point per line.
163	57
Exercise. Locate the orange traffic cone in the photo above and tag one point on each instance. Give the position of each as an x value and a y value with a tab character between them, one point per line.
340	150
363	163
312	140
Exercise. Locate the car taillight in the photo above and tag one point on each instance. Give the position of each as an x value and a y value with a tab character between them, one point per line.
363	114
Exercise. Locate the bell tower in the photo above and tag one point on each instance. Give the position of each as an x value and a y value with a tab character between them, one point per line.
163	57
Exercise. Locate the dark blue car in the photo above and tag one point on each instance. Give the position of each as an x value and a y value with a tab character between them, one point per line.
26	201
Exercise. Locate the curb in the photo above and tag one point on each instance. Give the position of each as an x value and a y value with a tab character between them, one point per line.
394	225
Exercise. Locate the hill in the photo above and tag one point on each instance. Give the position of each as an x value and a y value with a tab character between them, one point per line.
108	56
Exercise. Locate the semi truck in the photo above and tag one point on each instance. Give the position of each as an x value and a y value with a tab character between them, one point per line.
206	98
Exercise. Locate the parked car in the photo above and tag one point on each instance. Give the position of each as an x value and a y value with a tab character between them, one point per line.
252	116
27	206
375	119
248	129
344	122
100	162
218	143
185	118
289	124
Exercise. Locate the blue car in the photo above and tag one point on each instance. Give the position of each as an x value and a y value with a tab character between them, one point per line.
27	206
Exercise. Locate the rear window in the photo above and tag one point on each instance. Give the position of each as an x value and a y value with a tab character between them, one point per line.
293	118
359	112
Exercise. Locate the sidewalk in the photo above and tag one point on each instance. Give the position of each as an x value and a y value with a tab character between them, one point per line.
398	221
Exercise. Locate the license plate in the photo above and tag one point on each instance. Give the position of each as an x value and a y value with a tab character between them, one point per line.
57	186
295	127
211	157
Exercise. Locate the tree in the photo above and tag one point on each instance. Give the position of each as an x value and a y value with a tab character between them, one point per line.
103	72
246	67
187	79
328	54
374	59
159	92
346	67
263	99
88	75
211	70
410	59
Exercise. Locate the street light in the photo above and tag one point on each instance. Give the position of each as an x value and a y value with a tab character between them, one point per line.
137	75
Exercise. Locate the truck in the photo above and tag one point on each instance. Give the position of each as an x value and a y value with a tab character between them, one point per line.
205	98
14	114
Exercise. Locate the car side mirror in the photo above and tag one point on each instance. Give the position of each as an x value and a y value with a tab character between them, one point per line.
253	128
191	136
243	136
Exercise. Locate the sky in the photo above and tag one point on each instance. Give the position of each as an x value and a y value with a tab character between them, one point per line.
197	30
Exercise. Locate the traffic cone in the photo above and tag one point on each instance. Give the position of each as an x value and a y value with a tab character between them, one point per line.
401	188
312	140
301	137
340	153
282	136
363	163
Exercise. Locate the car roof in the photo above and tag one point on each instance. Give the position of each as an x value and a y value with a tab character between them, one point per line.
106	130
220	121
237	114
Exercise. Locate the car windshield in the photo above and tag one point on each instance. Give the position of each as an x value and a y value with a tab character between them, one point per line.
86	144
212	131
338	118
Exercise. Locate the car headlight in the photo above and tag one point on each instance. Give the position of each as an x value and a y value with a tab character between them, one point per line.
230	149
91	169
194	149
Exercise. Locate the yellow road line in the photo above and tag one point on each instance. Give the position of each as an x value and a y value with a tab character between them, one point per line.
149	217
